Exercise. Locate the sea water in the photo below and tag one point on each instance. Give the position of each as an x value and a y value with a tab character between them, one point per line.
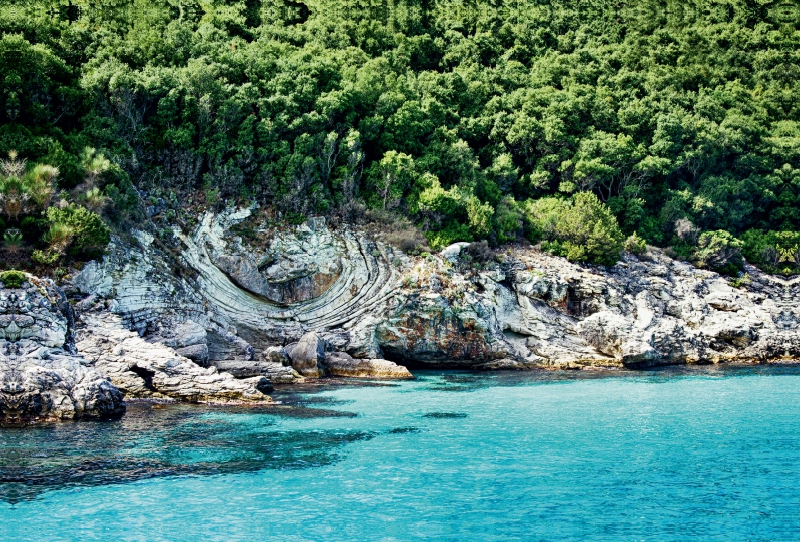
701	454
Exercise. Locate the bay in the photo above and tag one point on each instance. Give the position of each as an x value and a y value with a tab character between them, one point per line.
679	454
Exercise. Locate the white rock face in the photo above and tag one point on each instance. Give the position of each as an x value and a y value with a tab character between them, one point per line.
143	369
41	376
366	299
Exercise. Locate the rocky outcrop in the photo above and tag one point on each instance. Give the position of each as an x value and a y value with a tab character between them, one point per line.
143	369
42	378
308	355
313	291
341	364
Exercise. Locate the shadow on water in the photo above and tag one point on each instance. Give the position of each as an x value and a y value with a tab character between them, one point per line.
153	442
467	381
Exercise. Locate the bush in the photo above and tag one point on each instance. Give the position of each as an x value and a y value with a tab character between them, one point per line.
479	252
453	233
720	251
12	279
772	251
507	220
45	257
541	218
582	229
554	247
635	245
89	234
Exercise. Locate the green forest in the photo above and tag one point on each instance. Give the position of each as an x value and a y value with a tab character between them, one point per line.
588	127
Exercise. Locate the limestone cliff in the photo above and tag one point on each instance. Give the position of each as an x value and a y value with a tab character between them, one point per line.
223	302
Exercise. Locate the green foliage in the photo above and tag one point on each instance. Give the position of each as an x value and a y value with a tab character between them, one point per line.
507	220
773	251
447	112
542	218
635	244
12	238
582	229
452	233
12	278
40	234
78	229
743	279
720	251
45	257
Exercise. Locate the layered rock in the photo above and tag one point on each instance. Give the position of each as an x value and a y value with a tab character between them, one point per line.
41	376
341	364
316	291
143	369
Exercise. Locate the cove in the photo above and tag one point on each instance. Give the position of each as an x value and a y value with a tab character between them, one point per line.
677	454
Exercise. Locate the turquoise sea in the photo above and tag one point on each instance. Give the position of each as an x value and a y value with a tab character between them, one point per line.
681	454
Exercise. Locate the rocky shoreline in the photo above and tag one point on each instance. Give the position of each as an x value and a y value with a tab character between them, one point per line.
218	319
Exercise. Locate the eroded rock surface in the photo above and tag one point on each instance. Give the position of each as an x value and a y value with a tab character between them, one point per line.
143	369
341	364
526	309
42	378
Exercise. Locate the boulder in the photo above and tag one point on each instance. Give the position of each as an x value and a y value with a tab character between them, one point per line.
198	353
276	354
452	252
341	364
308	355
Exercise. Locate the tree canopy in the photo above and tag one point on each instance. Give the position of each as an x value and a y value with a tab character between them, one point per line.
454	113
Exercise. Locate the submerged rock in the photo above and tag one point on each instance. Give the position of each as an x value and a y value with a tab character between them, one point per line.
42	378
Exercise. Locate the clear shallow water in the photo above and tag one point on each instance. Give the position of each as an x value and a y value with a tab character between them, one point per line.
674	455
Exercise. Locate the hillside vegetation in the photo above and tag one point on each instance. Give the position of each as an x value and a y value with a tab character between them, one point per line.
573	124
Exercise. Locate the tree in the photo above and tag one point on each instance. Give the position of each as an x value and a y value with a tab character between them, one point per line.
392	176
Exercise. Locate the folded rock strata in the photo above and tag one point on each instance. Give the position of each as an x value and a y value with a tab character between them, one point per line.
316	291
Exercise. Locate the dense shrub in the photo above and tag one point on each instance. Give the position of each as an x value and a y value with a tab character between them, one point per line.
720	251
42	234
582	228
450	113
635	244
12	279
772	251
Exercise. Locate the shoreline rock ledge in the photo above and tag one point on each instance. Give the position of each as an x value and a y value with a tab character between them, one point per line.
54	370
42	378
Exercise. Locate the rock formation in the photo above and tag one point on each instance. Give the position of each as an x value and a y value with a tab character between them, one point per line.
143	369
41	376
312	299
308	355
341	364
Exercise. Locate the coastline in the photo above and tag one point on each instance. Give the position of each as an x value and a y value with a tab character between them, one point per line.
229	321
